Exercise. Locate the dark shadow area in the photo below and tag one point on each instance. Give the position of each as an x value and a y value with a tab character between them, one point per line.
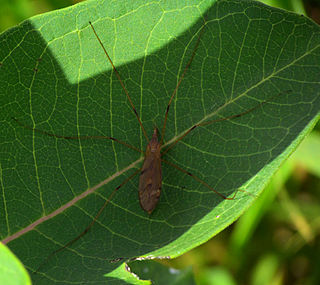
42	173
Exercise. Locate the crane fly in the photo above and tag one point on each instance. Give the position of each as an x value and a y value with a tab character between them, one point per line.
150	181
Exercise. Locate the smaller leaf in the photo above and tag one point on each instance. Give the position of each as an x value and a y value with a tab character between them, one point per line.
12	271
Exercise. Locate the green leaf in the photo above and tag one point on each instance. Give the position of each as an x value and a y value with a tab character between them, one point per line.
12	271
308	154
291	5
216	276
266	270
159	274
55	77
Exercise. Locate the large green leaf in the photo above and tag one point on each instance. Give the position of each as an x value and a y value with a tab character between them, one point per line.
55	77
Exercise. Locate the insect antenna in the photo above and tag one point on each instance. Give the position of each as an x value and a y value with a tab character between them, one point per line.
121	82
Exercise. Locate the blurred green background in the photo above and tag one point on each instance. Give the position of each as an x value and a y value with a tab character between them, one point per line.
277	241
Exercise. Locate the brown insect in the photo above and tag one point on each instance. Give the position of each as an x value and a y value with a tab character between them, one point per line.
150	181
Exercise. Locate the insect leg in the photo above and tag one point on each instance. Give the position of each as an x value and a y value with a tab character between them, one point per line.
199	180
77	137
221	119
91	224
121	82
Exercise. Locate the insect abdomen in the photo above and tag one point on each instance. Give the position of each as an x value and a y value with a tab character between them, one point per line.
150	180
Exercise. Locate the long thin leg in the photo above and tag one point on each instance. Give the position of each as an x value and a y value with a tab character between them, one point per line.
121	82
91	224
199	180
219	120
77	137
179	82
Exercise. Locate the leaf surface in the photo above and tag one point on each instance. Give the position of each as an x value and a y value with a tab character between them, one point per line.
55	77
12	271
